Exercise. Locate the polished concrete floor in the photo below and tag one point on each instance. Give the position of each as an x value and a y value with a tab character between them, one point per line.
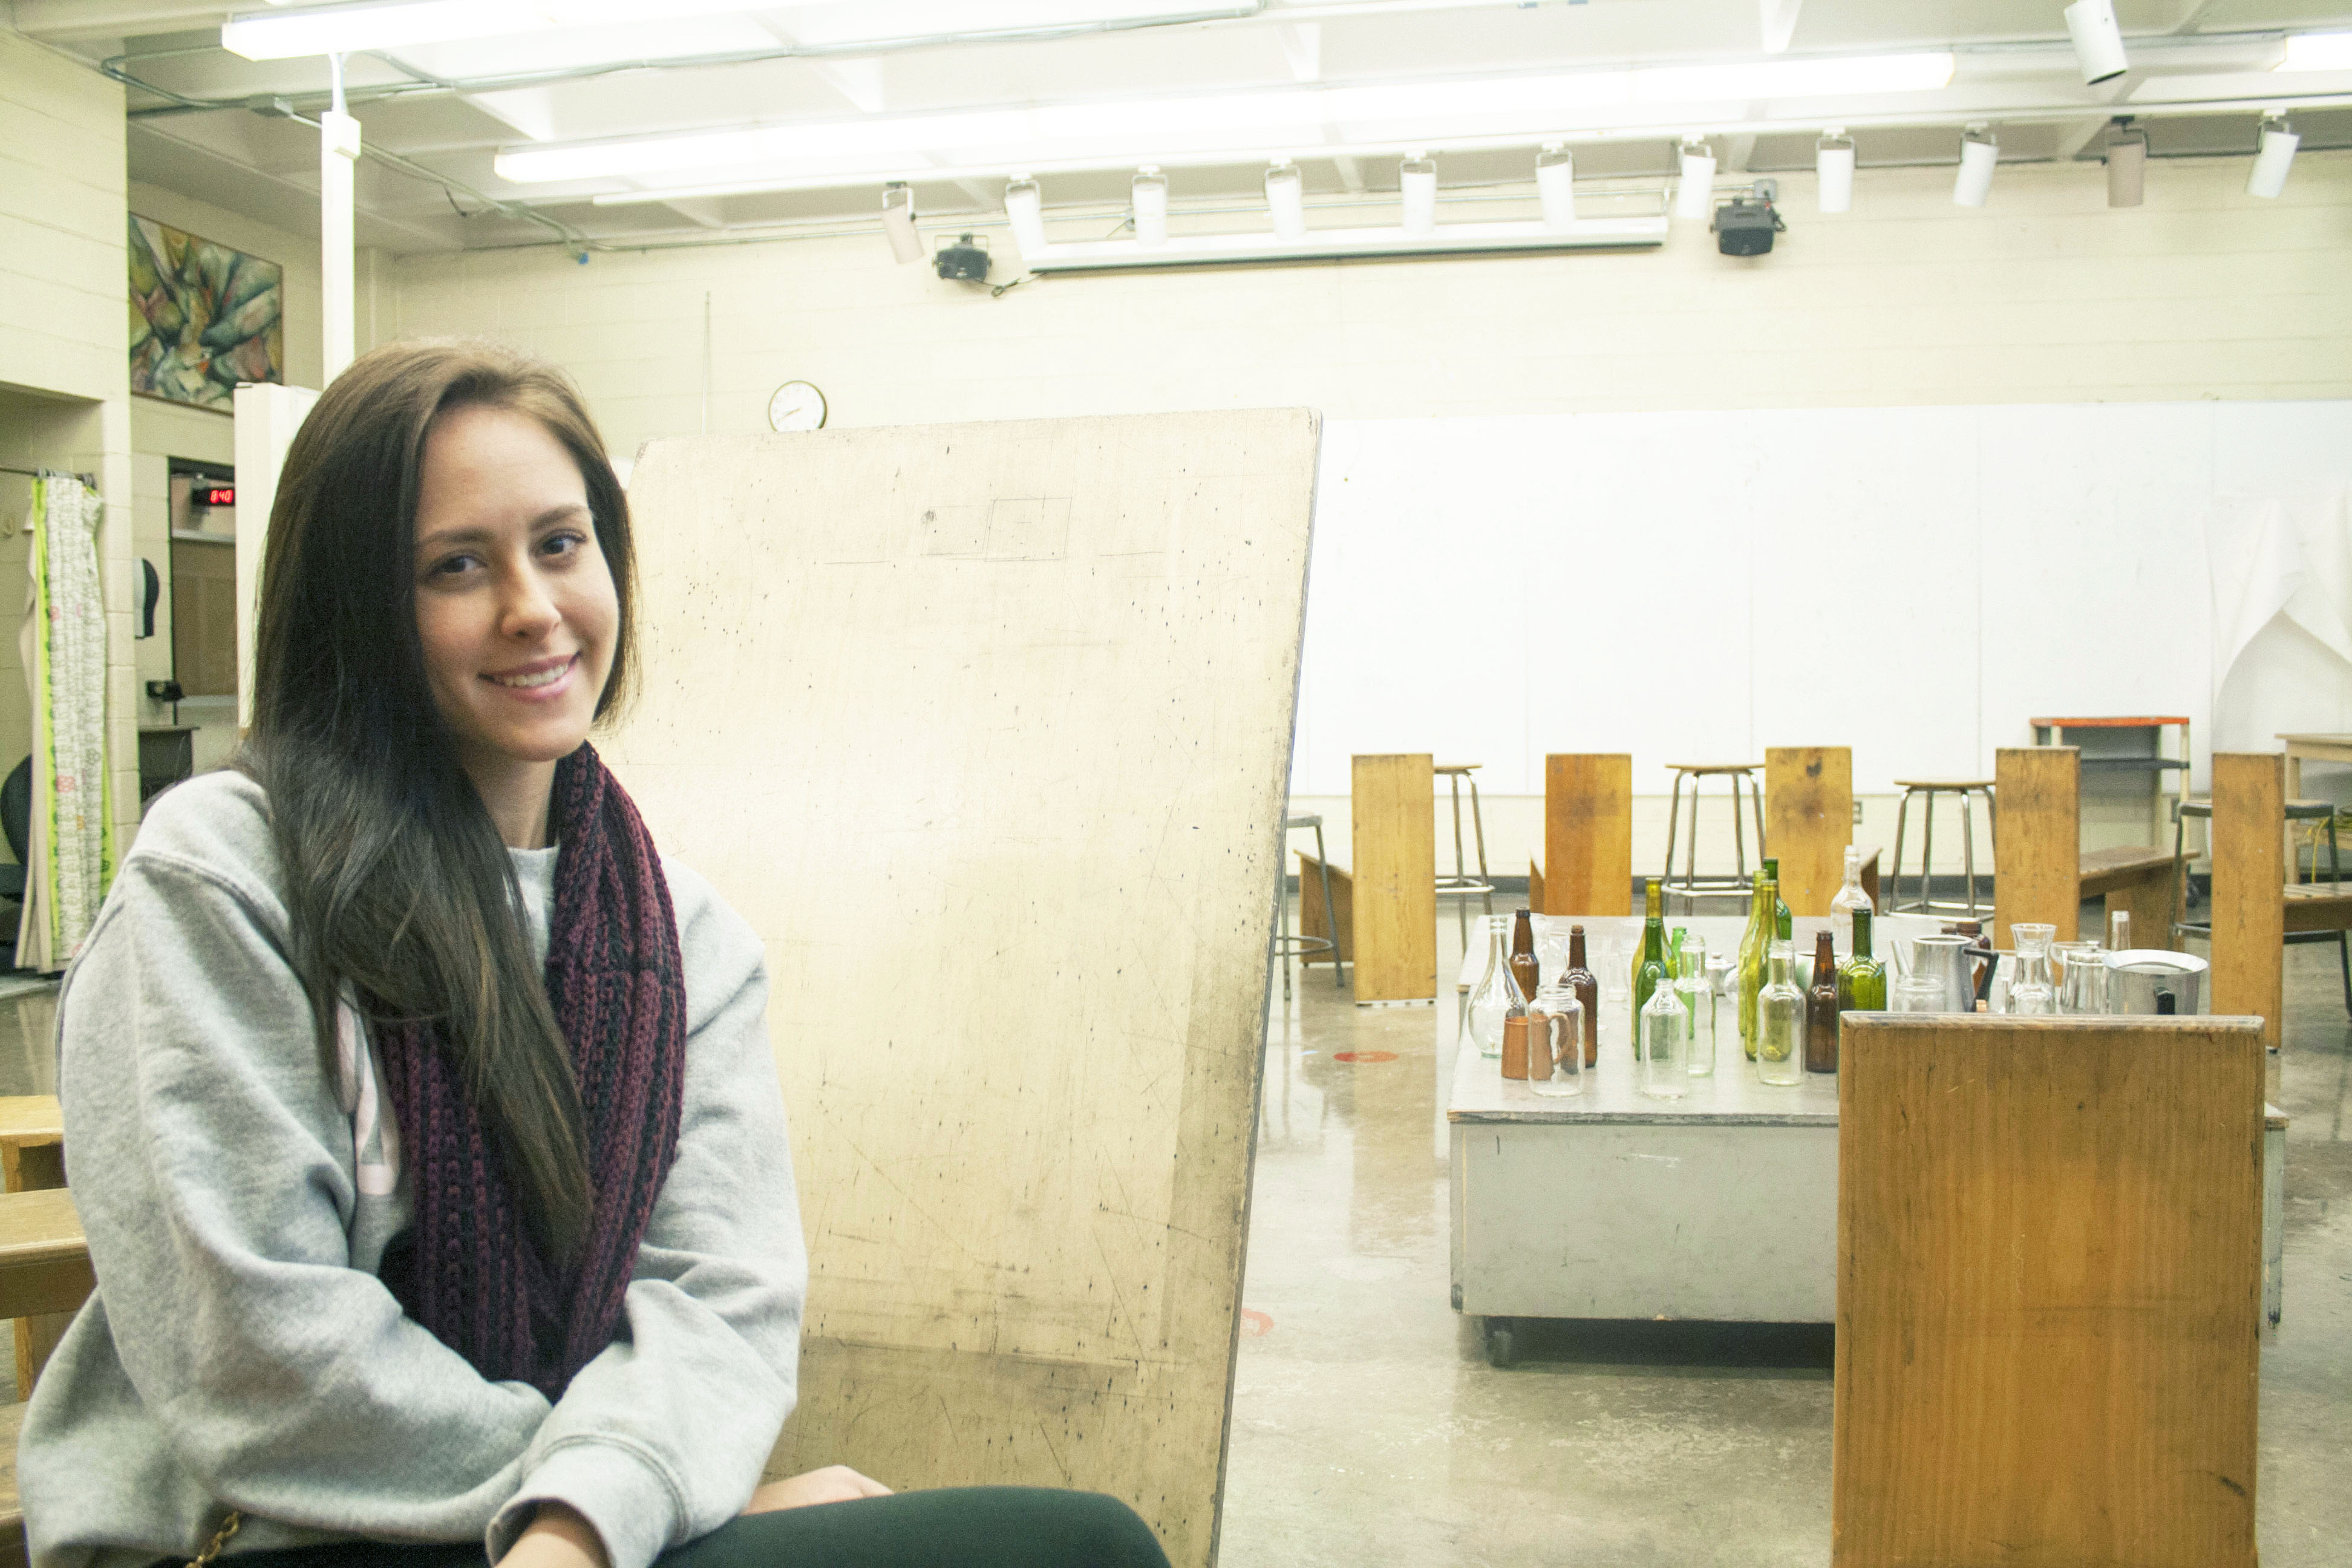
1369	1429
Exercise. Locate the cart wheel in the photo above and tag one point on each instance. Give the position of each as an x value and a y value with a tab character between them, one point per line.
1501	1351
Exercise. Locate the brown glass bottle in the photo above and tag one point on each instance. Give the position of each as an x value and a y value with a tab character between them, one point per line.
1587	987
1524	967
1822	1008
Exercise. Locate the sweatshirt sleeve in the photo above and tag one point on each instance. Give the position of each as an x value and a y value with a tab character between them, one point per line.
212	1170
661	1438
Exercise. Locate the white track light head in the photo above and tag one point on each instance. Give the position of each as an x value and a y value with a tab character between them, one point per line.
1150	190
2098	41
1556	184
1025	204
1286	198
2274	157
1417	177
2127	156
1834	172
1694	191
899	222
1979	154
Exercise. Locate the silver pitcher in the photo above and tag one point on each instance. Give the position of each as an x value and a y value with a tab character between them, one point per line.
1945	958
2152	980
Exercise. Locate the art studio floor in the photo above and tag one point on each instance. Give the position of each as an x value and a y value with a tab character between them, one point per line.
1368	1427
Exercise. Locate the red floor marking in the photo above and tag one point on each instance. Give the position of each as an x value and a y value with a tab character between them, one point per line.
1255	1323
1363	1055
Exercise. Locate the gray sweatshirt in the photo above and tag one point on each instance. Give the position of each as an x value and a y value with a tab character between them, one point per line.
240	1352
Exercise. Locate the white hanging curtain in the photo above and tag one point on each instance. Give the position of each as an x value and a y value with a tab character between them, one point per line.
70	853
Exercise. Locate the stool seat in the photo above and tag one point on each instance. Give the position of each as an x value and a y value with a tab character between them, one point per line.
1943	783
1461	768
1714	767
1290	821
2296	810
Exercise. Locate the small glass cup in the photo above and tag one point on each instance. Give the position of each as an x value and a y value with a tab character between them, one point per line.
1921	994
1556	1043
2082	977
2030	992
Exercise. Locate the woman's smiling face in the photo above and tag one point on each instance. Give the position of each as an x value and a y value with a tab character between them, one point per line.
515	605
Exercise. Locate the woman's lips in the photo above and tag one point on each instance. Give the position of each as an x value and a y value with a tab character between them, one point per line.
539	682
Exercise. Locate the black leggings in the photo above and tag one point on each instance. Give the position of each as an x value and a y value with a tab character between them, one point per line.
955	1527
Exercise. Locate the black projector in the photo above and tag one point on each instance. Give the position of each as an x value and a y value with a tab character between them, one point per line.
1745	227
965	261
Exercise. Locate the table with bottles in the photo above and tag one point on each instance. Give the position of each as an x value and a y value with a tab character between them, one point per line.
1720	1206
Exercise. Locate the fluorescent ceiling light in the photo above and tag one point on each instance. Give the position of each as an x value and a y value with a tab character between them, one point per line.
1169	130
2318	52
395	24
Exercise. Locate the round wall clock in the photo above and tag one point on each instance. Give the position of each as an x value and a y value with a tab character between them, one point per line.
797	405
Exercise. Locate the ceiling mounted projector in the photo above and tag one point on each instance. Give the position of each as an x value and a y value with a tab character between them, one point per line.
1745	226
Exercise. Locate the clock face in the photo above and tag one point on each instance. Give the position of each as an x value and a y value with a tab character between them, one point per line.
797	405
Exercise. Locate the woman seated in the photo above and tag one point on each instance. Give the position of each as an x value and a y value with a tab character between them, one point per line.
421	1114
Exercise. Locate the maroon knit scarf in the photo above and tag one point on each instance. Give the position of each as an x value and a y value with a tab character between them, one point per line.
470	1271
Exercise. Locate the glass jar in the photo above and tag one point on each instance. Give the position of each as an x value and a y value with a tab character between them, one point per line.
1922	993
1664	1026
1695	989
1497	994
1780	1021
2031	992
2082	977
1556	1041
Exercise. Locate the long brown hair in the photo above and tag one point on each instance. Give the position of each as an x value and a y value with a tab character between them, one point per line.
398	887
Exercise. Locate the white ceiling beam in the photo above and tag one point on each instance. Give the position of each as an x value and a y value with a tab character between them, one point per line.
1302	46
704	213
1777	20
55	20
1736	151
1352	172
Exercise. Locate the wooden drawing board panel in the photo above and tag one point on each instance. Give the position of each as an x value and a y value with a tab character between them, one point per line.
2050	1273
1808	821
2039	877
984	729
1393	826
2248	885
1589	834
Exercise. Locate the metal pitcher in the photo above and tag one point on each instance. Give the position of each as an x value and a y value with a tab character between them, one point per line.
1946	959
2152	980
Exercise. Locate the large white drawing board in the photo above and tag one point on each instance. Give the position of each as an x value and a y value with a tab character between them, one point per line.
1696	585
985	728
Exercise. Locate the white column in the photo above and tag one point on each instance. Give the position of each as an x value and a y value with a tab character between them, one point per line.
339	151
268	415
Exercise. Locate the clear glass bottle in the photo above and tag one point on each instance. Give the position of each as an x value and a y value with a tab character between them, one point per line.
2031	990
1780	1021
1586	985
1695	989
1753	942
2119	937
1556	1041
1492	1000
1848	898
1664	1029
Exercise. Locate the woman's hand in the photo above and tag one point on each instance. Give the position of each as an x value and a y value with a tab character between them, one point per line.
557	1537
834	1483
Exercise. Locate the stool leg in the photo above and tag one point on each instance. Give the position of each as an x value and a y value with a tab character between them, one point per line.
1690	860
1282	918
1461	872
1927	856
1330	910
1478	826
1739	834
2176	902
1674	825
1756	806
1969	851
1895	879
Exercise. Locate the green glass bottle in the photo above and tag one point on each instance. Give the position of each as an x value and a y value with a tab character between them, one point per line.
1861	983
1771	865
1653	907
1653	973
1753	944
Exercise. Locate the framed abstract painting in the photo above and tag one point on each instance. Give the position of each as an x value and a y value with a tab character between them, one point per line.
202	317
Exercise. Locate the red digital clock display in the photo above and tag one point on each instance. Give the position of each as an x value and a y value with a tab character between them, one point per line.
216	495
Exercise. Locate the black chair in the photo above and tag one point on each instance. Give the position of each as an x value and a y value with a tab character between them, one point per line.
16	824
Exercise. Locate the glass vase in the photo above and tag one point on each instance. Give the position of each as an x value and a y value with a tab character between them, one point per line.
1556	1041
1497	994
2031	992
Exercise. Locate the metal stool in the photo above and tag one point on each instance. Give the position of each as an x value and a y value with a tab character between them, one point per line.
1692	884
1931	788
1461	885
1291	946
2296	811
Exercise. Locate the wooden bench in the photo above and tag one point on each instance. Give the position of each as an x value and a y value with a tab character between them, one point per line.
2133	880
1337	924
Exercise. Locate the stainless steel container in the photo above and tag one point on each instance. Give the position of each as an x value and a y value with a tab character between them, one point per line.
2151	980
1946	959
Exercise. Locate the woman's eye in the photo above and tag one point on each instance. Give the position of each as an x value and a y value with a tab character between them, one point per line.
564	545
454	565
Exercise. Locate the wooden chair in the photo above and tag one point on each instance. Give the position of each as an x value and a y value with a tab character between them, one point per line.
2255	910
44	1272
1588	859
32	1158
2044	874
2050	1277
